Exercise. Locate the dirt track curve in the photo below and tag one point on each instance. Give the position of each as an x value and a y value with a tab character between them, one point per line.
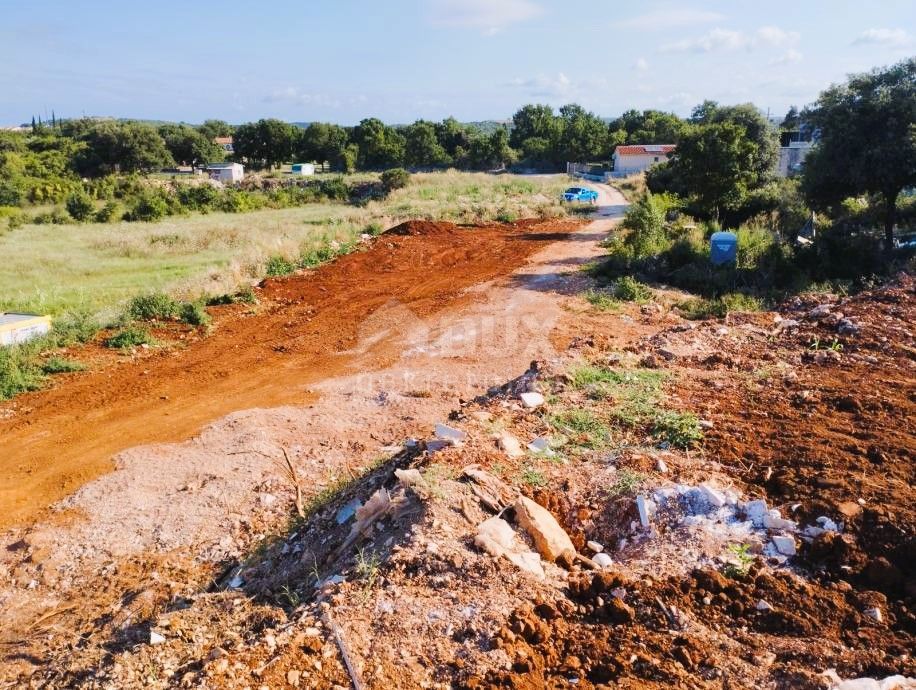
56	440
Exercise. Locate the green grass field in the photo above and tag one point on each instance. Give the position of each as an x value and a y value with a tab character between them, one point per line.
56	269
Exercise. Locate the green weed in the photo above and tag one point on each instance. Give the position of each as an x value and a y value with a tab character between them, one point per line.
131	336
601	300
60	365
629	289
680	429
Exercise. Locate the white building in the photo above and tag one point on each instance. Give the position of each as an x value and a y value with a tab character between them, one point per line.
637	158
792	156
226	172
17	328
303	169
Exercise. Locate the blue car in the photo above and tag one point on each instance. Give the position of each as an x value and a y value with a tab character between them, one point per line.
581	194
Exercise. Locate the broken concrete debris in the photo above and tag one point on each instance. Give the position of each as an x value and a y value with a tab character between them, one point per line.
713	496
550	539
497	538
156	638
784	544
594	546
602	560
448	433
646	508
542	446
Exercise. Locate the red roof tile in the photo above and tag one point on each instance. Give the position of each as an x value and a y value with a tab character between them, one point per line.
645	149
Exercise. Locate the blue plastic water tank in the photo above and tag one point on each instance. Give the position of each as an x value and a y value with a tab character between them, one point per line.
723	248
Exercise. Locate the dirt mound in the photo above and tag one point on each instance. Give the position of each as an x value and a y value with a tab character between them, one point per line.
304	330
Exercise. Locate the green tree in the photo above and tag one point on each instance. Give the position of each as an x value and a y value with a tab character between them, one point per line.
534	121
454	137
791	121
646	127
867	140
422	148
121	147
715	164
216	128
80	206
757	128
190	146
265	143
583	136
380	146
324	143
493	151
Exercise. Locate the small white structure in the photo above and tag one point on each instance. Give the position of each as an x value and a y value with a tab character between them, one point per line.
225	143
637	158
18	327
303	169
226	172
792	156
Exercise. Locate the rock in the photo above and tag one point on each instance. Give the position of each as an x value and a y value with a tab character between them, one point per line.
497	538
667	354
644	507
706	424
602	560
267	500
292	677
874	614
448	433
784	545
618	611
713	496
847	327
541	445
763	606
531	399
594	546
550	539
661	466
820	311
408	478
881	573
755	510
774	520
510	445
849	509
156	638
434	445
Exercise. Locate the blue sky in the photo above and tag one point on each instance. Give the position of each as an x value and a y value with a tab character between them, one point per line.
400	60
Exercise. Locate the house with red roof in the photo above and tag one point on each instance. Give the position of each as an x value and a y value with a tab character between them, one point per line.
636	158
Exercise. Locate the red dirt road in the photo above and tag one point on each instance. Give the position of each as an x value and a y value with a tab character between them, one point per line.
54	441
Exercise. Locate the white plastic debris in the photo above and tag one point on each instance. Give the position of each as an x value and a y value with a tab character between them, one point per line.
889	683
827	524
532	399
541	445
874	614
784	545
347	511
156	638
595	546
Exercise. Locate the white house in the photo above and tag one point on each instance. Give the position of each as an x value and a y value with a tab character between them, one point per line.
792	156
226	172
18	327
636	158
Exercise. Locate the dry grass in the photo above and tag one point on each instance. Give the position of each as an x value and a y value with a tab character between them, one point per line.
97	267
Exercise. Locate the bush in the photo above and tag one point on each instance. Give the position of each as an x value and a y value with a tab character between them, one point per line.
18	372
60	365
279	266
395	178
193	314
148	207
55	217
700	308
132	336
108	212
629	289
681	430
80	206
156	305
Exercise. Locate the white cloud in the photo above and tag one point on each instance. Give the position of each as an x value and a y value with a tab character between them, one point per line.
885	37
559	88
641	65
669	19
489	16
728	40
791	56
293	94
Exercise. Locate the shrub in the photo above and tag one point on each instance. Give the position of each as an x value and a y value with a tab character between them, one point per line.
194	314
279	266
506	216
680	429
156	305
107	213
132	336
18	372
700	308
629	289
239	201
55	217
80	206
148	207
395	178
60	365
